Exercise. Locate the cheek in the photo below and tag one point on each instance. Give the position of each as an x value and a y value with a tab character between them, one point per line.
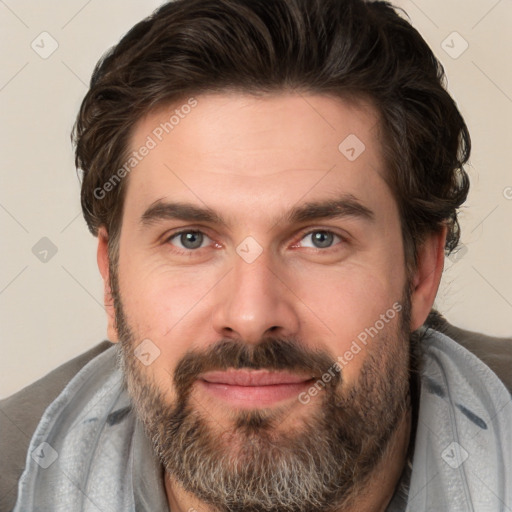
163	304
354	295
352	308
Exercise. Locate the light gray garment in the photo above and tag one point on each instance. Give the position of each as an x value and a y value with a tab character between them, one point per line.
105	462
463	449
462	458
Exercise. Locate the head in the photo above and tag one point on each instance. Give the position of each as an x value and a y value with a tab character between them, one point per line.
314	162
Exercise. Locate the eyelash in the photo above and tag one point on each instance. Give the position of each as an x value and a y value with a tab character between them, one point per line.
190	252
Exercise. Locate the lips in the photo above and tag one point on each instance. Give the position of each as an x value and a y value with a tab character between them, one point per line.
250	389
253	378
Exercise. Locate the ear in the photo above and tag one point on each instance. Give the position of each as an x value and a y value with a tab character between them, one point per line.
103	261
427	276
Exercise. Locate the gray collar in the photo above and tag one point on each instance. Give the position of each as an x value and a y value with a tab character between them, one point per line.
462	449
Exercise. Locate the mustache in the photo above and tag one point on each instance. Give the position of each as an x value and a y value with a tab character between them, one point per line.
269	354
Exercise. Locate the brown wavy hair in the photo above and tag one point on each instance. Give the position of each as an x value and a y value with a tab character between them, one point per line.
352	49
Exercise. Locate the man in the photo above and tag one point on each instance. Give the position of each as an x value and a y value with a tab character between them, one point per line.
273	186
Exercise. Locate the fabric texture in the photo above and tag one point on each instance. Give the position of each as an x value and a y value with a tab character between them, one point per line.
89	452
20	415
463	450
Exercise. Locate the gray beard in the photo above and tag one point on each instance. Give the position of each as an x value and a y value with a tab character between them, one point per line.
251	467
323	466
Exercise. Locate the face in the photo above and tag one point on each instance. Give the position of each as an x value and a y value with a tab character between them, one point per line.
261	275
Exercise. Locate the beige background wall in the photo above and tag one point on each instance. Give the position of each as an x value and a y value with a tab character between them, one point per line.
52	310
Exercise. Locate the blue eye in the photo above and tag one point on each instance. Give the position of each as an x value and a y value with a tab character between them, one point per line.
189	240
321	239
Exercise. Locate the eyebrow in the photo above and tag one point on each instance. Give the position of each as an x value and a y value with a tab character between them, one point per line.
346	206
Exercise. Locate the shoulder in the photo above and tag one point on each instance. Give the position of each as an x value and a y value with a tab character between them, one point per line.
495	352
20	415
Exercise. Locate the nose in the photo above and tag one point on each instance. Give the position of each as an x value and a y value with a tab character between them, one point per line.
255	301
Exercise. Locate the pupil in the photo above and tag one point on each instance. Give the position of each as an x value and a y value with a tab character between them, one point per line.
322	238
192	239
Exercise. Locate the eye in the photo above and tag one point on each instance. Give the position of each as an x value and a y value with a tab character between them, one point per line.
321	239
189	240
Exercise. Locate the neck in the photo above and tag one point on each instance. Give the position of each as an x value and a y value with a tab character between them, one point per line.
373	496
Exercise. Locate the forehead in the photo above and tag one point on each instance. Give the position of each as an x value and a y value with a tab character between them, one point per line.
240	152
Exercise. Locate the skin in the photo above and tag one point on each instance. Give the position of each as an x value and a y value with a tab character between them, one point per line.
252	160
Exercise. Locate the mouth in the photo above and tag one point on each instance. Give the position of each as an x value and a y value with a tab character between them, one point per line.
253	388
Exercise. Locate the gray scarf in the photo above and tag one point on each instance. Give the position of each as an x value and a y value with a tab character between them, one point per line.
89	452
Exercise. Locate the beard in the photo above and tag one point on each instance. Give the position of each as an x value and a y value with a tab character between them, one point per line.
322	464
